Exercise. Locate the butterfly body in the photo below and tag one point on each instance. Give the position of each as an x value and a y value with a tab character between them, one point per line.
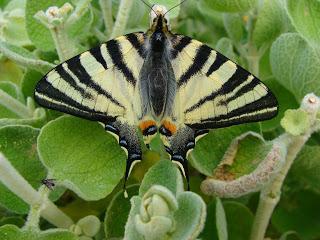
156	82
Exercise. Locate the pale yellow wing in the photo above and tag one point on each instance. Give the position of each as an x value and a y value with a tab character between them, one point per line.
213	91
99	84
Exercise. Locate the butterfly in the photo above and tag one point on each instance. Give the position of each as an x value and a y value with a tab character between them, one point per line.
153	82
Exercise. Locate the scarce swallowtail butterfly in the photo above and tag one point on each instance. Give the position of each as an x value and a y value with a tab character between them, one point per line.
156	81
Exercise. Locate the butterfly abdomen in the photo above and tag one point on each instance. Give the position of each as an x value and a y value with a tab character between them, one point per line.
157	77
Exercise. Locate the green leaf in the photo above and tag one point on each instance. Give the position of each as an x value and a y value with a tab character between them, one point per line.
305	17
211	148
189	217
81	156
306	168
298	212
29	82
234	26
239	219
118	212
18	144
289	51
210	231
38	33
90	225
221	221
163	173
159	214
251	151
10	71
23	57
272	21
285	99
231	5
13	29
17	221
11	232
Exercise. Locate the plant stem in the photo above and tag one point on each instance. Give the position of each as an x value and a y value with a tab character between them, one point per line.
106	8
13	180
36	64
35	210
122	18
14	105
270	195
65	48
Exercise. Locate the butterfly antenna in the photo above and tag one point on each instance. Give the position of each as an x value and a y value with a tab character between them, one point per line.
148	6
174	6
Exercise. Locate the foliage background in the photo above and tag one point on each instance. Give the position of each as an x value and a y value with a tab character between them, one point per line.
277	40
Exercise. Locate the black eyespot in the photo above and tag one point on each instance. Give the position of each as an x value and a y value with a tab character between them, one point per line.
165	20
154	20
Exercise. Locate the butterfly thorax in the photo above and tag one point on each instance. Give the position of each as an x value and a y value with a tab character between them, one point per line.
157	81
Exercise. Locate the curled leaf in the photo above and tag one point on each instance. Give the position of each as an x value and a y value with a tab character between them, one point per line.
257	167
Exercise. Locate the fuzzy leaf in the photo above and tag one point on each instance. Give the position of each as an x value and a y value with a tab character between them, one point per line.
11	232
29	82
18	144
305	17
239	219
306	168
299	212
89	225
163	173
189	217
221	221
82	156
118	212
289	51
211	148
272	20
14	29
234	26
231	5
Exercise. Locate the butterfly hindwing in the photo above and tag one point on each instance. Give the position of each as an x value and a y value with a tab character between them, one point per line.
99	84
213	91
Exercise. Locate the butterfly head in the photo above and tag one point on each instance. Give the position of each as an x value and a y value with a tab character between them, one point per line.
159	19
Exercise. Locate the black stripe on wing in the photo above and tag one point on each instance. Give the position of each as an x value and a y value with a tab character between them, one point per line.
239	76
180	45
138	45
200	59
264	108
61	102
96	53
114	51
76	67
218	62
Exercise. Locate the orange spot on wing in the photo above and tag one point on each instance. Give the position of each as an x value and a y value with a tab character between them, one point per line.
145	124
170	126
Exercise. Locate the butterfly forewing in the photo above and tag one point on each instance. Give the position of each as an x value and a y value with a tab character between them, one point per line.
98	84
215	92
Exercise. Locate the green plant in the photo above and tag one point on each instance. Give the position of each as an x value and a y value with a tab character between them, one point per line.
277	40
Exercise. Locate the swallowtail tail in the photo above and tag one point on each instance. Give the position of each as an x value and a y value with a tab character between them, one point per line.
156	82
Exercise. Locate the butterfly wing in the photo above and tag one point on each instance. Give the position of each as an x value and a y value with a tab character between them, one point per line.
99	84
213	91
